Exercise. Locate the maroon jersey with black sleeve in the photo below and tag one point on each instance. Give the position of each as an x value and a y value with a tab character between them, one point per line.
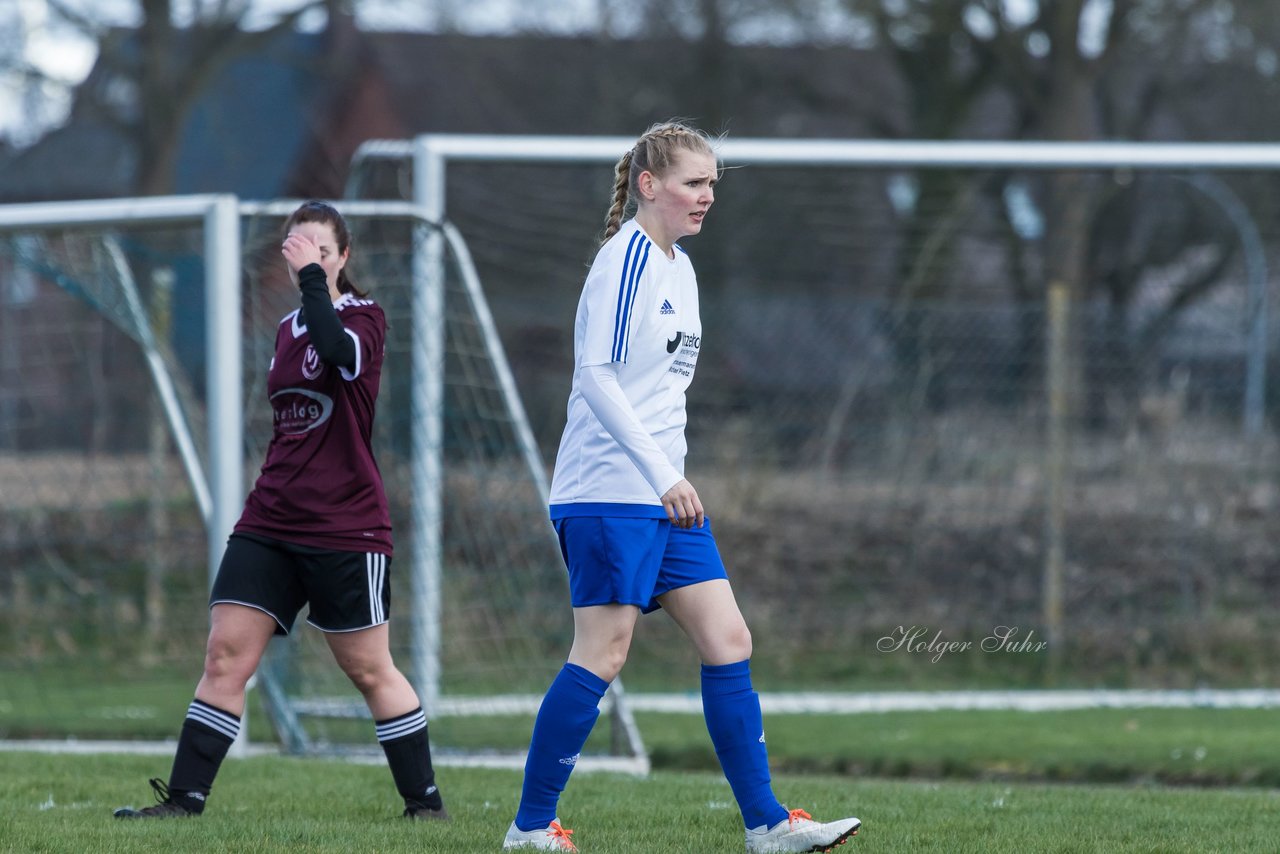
320	485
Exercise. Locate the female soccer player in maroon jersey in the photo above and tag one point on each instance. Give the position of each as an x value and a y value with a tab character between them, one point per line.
315	530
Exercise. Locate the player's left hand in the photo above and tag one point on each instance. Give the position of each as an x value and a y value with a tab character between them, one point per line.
684	508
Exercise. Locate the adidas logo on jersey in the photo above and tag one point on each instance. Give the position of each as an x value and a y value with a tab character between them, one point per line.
666	308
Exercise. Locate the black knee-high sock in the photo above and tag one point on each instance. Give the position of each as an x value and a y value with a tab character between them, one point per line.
404	740
207	734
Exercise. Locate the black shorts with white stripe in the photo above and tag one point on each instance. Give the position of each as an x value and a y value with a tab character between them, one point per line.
346	591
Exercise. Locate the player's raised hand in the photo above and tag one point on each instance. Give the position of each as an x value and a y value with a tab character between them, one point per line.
683	506
299	251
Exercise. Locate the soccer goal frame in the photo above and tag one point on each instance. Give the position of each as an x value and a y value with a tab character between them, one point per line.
430	155
218	485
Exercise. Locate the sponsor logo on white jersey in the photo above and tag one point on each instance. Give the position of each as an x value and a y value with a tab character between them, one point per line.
691	342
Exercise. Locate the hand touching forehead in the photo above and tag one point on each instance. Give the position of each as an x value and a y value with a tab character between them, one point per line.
314	243
319	233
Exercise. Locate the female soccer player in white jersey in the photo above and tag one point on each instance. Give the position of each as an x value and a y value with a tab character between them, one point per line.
631	527
315	530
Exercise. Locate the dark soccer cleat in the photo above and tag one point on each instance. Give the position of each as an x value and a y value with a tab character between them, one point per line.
421	813
165	806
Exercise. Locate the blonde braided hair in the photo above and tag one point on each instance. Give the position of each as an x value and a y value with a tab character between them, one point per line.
654	152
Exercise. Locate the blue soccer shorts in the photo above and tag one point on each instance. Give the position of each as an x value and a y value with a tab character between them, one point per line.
631	561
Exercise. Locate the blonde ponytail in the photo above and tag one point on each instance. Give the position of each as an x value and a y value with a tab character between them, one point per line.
621	184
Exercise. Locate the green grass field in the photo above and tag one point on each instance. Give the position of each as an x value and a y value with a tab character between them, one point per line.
1104	780
63	804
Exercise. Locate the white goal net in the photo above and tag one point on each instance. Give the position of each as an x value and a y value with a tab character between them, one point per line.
115	309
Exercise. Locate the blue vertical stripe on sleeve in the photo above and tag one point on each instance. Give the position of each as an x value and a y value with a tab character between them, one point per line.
622	315
635	289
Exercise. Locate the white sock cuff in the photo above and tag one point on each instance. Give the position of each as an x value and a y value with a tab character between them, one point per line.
402	726
223	723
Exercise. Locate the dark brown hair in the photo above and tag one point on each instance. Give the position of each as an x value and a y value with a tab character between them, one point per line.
314	211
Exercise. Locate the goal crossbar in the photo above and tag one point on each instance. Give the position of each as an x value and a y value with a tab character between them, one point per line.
843	152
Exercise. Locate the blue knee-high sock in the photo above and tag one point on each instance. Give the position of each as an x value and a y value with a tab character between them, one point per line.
568	712
732	710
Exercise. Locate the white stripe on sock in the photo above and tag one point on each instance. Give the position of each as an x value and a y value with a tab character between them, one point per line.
400	727
214	719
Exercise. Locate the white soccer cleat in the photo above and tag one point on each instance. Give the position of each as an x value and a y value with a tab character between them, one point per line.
799	832
553	837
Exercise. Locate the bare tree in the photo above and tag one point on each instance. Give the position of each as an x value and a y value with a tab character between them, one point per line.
157	72
1066	70
713	30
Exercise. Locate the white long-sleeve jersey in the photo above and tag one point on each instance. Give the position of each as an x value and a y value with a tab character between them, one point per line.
636	341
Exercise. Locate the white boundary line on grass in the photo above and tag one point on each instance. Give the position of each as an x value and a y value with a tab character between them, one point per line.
443	758
771	703
90	746
815	702
937	701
